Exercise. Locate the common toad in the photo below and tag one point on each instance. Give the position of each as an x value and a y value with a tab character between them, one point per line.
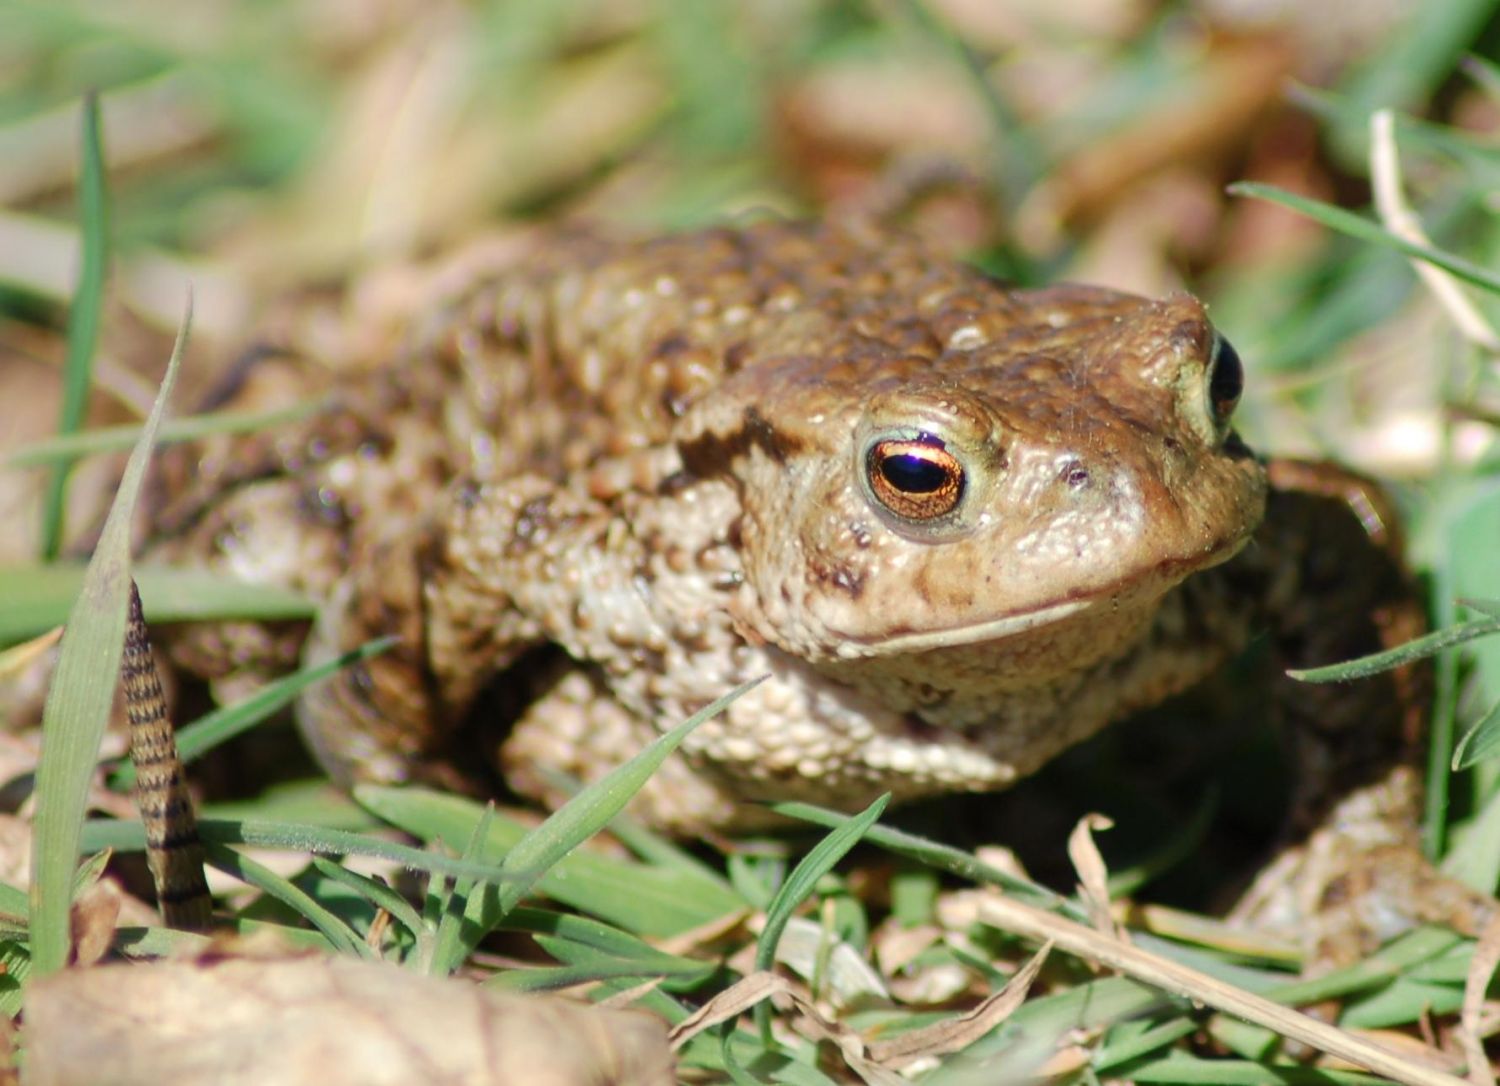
960	526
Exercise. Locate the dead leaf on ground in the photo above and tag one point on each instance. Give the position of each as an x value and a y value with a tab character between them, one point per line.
325	1021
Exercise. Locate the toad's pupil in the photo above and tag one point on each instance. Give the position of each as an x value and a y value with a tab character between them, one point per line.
912	474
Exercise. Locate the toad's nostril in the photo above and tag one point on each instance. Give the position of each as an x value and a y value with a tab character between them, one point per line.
1075	475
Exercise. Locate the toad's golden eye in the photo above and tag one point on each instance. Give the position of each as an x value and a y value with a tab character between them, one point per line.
917	479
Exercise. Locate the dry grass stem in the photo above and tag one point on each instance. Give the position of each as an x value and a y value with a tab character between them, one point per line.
1011	916
1399	218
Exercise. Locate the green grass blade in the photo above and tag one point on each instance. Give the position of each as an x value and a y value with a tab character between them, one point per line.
812	867
587	932
592	808
293	837
37	597
79	701
1179	1067
1428	645
83	319
66	448
555	978
578	941
1380	968
1480	742
737	1073
1484	607
656	849
682	970
1403	1002
939	856
1142	1042
372	890
1474	858
459	920
340	935
15	968
1356	226
224	723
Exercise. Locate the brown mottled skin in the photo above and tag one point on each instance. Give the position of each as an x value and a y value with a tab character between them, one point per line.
674	462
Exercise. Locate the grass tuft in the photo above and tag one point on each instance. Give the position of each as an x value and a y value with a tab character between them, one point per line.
80	698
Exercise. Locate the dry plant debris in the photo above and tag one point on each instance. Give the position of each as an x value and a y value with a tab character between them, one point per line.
329	1021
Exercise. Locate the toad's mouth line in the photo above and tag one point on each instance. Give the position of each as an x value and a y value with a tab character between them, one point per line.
1168	574
949	636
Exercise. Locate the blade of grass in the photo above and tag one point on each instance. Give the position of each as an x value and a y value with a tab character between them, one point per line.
588	932
340	935
82	693
656	849
1178	1067
939	856
372	890
555	978
460	919
293	837
64	449
565	829
37	597
224	723
15	961
1428	645
1480	742
590	811
1403	1002
1142	1042
1357	226
83	318
685	972
812	867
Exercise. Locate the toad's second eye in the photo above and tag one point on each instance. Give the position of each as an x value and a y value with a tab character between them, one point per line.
917	479
1226	380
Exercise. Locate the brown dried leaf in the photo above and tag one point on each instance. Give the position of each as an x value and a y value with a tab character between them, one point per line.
730	1003
94	916
954	1034
816	1026
1093	876
322	1020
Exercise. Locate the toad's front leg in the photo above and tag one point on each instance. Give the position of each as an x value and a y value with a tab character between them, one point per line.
442	591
